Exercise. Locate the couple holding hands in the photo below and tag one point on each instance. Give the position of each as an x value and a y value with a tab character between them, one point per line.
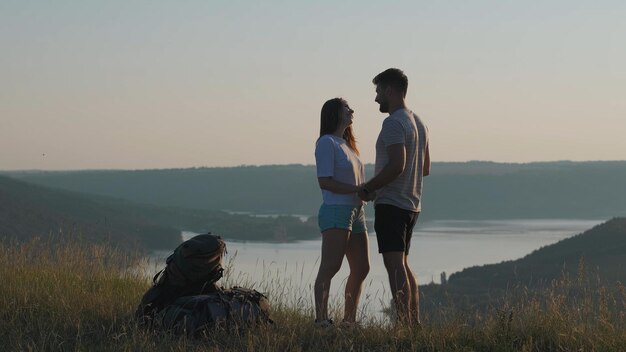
402	160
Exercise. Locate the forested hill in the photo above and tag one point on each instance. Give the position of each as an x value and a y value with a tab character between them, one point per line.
471	190
603	247
597	256
28	210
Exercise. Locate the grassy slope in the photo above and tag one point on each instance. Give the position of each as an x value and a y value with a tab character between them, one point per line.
78	296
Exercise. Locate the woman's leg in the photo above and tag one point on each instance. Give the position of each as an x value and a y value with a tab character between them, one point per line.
334	243
359	260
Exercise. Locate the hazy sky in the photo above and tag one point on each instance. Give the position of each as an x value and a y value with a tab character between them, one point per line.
156	84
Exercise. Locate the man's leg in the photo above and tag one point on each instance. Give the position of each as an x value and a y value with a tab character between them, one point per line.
414	311
399	282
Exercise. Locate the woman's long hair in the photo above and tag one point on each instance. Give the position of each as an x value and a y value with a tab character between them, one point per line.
331	118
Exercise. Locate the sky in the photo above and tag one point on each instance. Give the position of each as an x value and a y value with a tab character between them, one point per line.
164	84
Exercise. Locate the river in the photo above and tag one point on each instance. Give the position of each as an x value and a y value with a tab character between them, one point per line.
286	271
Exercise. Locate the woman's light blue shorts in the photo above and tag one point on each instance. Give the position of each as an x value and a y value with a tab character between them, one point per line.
348	217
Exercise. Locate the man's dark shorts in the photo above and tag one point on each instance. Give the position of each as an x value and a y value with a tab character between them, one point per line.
394	228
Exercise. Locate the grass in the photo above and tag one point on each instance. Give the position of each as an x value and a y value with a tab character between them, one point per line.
81	297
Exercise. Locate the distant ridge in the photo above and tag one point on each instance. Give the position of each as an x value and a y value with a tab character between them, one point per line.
471	190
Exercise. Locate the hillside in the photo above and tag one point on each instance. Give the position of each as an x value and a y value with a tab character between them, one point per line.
603	247
28	210
597	256
471	190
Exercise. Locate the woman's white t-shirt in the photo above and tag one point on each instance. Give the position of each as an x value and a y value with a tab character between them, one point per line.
334	158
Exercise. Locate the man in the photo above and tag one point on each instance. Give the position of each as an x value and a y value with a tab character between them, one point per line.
402	160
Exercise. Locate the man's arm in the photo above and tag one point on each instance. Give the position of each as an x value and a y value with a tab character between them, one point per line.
393	169
426	161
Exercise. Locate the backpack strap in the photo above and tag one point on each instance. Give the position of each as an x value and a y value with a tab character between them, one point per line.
156	277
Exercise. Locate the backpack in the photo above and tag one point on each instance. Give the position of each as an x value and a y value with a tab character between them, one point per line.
234	308
193	269
185	299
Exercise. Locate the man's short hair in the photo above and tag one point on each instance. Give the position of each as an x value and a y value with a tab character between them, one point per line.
392	77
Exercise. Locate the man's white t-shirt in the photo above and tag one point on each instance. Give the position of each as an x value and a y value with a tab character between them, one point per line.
334	158
403	127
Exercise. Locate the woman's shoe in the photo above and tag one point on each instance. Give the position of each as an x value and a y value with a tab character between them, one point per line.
348	325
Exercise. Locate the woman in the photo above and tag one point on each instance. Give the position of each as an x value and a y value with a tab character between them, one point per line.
341	217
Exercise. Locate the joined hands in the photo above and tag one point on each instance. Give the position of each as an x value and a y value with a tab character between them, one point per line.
366	196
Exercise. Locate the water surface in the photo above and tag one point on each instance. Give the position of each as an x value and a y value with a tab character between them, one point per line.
286	271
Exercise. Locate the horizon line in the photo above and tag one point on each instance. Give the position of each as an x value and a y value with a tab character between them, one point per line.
563	161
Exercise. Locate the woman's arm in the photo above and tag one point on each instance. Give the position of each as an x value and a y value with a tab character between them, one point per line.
329	184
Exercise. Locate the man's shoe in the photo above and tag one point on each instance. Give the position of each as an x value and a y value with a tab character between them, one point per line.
325	323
